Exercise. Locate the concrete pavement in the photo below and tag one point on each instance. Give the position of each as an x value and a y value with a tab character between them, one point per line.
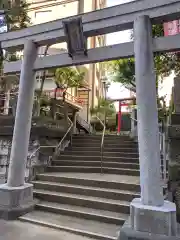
17	230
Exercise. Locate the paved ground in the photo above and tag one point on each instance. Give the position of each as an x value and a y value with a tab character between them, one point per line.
25	231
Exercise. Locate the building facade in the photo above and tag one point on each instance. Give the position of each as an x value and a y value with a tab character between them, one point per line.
41	11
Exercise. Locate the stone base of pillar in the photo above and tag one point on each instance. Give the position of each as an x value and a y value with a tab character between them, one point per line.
2	178
15	201
150	223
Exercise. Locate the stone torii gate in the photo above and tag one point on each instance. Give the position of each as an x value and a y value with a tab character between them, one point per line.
150	214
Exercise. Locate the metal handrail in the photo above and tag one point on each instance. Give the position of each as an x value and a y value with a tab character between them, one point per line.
135	120
65	135
56	147
34	153
102	142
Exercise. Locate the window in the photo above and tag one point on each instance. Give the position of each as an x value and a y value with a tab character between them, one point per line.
43	16
39	13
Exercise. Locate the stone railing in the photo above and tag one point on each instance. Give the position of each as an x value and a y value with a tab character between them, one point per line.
44	132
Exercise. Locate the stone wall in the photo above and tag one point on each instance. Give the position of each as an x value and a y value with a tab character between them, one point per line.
44	134
37	161
5	146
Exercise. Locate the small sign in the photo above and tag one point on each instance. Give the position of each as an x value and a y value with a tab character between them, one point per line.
76	41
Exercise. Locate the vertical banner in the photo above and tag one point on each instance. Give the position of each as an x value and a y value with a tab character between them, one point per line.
3	24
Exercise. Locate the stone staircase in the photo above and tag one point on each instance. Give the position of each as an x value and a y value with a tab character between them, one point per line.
74	196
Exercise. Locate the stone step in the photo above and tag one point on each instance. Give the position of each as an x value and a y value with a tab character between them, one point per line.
100	136
114	145
106	141
106	149
87	228
84	201
86	169
83	212
98	153
85	180
95	164
106	137
81	157
123	195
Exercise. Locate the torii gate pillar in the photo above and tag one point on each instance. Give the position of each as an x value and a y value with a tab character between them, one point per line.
16	197
150	215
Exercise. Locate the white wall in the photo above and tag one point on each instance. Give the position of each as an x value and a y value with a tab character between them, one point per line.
165	88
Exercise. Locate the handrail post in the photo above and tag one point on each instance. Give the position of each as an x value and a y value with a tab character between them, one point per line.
102	142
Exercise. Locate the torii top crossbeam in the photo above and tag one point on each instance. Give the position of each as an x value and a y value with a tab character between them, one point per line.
123	99
99	22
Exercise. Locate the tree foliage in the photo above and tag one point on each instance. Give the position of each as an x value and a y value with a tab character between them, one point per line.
16	14
104	107
65	77
123	70
16	18
69	77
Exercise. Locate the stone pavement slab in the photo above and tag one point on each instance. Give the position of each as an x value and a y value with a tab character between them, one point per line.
17	230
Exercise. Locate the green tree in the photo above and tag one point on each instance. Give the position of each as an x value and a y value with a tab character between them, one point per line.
64	78
123	70
16	14
16	18
105	108
68	77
